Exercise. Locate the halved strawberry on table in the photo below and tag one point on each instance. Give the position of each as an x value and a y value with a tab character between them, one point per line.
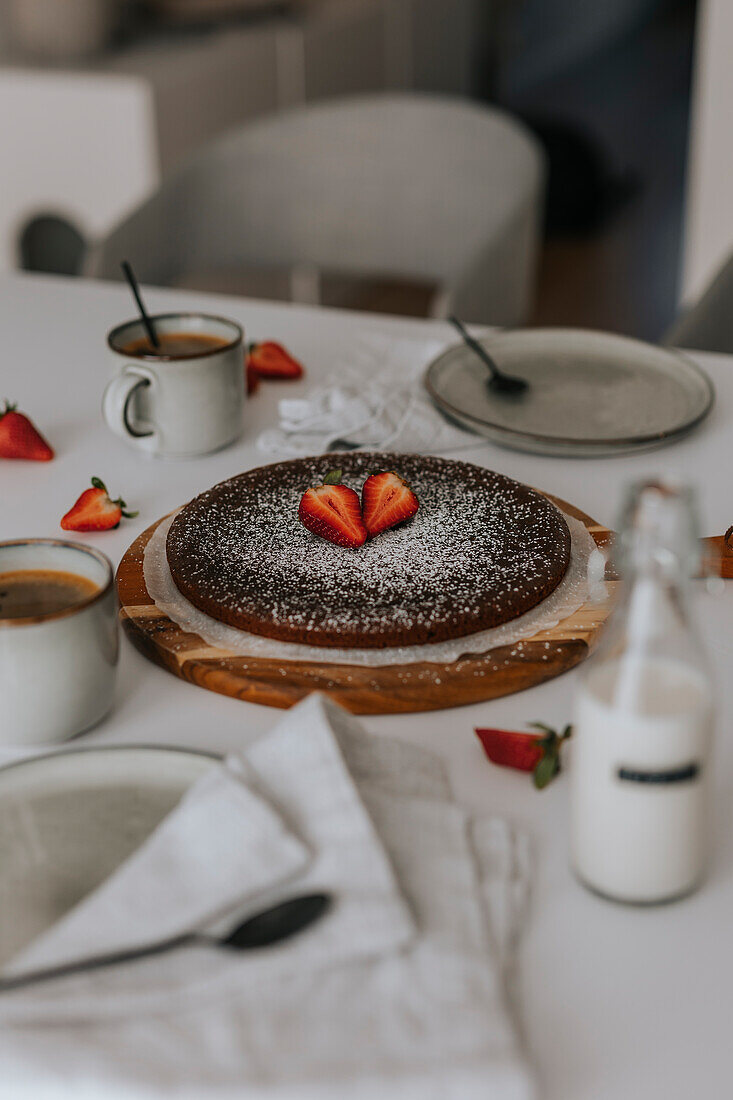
271	360
333	512
253	379
19	437
527	752
95	511
386	500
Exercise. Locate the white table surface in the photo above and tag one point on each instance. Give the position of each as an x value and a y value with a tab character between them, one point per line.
617	1002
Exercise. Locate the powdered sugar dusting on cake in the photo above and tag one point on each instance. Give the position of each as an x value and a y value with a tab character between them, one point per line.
481	550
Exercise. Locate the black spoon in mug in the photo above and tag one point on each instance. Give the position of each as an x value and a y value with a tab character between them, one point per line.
264	929
499	382
144	315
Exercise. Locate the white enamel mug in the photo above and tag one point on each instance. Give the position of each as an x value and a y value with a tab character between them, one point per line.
177	406
57	671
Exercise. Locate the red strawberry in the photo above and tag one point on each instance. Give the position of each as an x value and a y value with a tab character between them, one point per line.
253	379
526	752
333	511
94	511
19	438
386	500
271	360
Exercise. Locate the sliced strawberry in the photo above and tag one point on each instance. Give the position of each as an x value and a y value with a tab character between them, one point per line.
386	500
19	438
271	360
525	751
253	379
511	749
333	512
94	511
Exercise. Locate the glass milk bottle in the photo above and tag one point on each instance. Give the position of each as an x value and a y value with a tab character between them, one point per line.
644	716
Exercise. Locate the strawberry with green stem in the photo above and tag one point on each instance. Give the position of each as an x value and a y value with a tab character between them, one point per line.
333	512
95	511
19	437
525	751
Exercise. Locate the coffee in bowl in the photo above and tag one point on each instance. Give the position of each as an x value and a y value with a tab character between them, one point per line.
35	593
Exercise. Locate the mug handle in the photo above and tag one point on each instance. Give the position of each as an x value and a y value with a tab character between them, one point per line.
117	401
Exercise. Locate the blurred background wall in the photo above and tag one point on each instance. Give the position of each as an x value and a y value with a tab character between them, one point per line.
101	100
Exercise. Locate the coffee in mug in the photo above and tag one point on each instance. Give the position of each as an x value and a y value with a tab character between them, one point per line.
174	345
58	639
186	396
33	593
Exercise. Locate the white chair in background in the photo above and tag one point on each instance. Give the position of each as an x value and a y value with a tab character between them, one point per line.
707	325
387	186
708	215
86	140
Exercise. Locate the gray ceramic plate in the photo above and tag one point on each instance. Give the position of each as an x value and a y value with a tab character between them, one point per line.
67	821
591	393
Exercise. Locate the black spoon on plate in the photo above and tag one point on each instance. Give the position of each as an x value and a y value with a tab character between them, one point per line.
264	929
499	382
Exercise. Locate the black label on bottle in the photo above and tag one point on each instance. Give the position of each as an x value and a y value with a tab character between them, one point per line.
684	774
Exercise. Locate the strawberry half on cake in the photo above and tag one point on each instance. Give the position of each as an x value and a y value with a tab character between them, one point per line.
333	512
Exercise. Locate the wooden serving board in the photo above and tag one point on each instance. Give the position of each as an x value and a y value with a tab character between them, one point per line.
389	689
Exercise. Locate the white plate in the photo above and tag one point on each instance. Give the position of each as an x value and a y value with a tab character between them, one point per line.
591	393
68	819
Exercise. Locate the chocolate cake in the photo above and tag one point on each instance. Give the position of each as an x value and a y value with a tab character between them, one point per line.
482	550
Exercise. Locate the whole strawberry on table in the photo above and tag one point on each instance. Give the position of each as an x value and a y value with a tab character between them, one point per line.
19	437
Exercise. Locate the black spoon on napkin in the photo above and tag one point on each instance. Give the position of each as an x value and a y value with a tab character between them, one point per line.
264	929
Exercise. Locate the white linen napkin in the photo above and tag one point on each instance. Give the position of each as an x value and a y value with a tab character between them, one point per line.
376	399
220	848
399	992
297	775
